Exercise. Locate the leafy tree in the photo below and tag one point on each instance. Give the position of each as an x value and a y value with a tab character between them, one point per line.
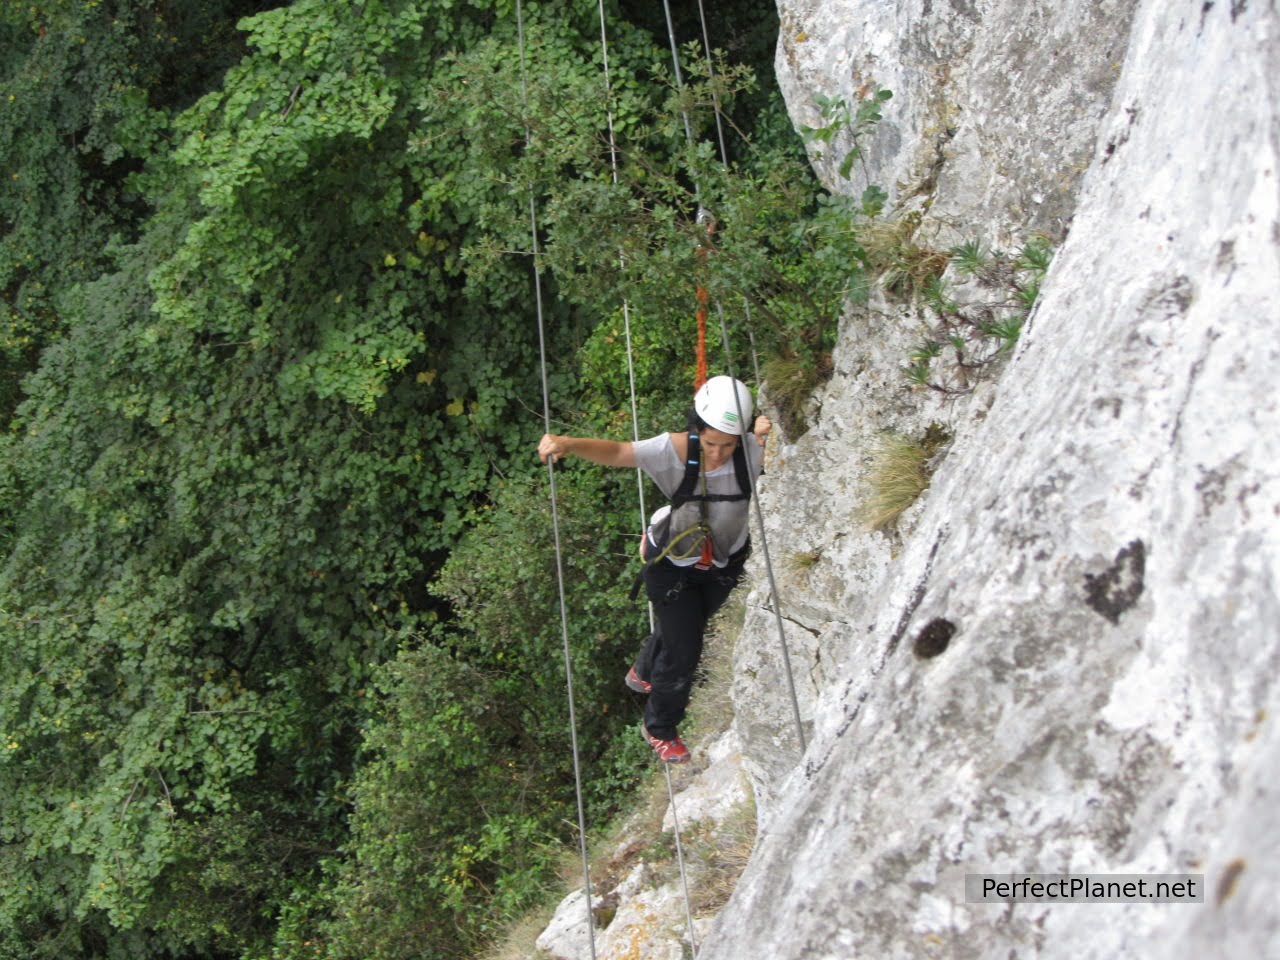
450	833
86	88
237	470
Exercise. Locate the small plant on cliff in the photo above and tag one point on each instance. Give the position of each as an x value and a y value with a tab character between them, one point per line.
966	339
969	258
718	854
800	562
840	116
901	469
905	268
792	379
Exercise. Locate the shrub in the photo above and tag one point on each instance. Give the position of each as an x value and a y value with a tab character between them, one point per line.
901	468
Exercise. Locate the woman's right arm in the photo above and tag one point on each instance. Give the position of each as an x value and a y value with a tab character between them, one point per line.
607	453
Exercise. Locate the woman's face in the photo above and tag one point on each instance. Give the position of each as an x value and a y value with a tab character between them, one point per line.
717	447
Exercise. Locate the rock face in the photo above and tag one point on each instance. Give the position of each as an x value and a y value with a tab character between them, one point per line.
995	102
639	906
1066	660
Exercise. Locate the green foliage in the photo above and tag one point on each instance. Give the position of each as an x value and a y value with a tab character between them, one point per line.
776	256
235	475
873	201
965	340
1034	257
462	808
662	364
969	258
842	121
86	92
212	566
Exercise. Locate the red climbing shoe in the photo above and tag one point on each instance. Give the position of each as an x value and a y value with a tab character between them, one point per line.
636	684
668	751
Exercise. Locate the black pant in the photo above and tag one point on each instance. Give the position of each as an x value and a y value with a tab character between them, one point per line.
683	598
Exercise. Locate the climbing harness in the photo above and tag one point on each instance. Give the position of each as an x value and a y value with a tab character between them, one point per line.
698	537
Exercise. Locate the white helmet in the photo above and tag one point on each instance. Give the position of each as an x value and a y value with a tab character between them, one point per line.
724	404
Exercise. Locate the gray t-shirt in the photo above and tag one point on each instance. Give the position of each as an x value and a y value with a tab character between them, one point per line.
658	458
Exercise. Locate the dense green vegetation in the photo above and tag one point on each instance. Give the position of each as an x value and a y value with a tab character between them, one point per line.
278	611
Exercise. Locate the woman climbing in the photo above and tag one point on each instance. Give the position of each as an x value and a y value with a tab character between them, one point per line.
695	547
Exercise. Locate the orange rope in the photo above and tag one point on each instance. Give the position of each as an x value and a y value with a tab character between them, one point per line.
700	372
700	376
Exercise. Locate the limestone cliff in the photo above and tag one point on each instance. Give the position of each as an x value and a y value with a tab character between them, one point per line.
1062	657
1068	661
